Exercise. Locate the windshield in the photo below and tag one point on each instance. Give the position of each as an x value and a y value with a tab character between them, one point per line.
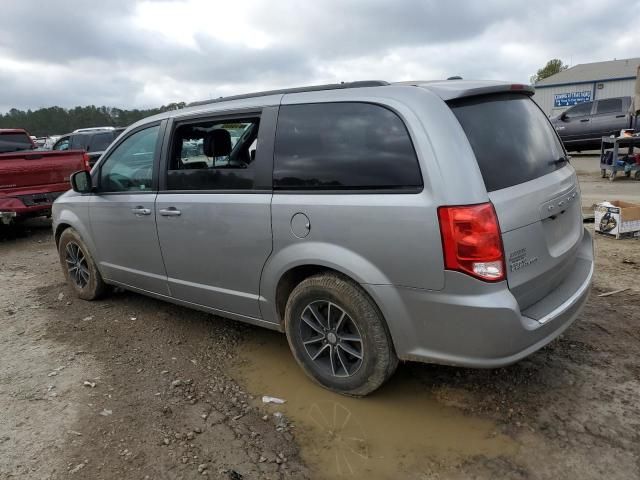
511	138
14	142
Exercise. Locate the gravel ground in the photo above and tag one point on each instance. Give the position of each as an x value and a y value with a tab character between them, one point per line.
158	402
133	388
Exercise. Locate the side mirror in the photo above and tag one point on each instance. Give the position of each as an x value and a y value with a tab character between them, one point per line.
564	117
81	182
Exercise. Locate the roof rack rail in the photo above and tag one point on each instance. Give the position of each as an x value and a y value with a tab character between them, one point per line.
312	88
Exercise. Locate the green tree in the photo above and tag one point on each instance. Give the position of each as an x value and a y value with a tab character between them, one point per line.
551	68
57	120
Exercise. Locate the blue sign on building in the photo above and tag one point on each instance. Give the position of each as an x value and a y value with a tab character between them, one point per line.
569	99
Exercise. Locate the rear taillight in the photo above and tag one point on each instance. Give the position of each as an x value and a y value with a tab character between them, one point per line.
471	241
85	159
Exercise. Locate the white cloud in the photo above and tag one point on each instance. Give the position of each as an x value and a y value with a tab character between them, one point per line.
135	54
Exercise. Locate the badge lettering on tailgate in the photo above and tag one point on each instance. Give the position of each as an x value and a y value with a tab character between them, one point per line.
518	260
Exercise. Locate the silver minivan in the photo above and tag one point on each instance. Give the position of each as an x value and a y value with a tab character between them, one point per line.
371	222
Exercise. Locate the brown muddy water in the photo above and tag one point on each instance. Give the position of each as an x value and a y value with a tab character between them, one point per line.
398	429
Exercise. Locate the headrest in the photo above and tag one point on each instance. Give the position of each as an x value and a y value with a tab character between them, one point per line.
217	143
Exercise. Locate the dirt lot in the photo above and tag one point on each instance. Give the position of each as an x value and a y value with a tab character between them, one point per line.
133	388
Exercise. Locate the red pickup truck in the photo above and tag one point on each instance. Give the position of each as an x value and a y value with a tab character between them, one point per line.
30	180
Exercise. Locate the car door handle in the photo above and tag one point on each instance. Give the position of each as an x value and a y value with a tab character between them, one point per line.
141	211
170	212
584	120
620	116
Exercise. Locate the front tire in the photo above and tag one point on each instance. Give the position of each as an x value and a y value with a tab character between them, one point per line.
78	266
338	336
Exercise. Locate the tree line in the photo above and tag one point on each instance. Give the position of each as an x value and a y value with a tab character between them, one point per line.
57	120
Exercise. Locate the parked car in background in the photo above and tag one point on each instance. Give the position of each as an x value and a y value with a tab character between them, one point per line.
30	180
93	141
582	126
92	129
436	222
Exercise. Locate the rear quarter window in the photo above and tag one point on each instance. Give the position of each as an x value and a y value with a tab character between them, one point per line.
343	146
610	105
511	138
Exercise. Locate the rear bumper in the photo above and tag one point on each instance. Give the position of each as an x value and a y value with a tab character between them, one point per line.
31	205
481	327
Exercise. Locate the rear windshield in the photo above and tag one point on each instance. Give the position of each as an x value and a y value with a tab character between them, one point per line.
14	142
512	139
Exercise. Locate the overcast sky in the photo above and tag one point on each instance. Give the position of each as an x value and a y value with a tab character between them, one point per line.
144	53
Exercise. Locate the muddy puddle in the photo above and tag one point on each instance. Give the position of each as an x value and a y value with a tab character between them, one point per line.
399	429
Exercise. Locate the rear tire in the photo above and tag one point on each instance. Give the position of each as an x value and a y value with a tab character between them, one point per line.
338	336
78	266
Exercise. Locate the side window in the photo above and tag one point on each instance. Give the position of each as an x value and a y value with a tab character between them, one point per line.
100	142
130	165
78	141
610	105
214	155
62	144
333	146
579	110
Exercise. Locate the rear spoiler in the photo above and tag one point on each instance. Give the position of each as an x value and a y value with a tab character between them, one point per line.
455	89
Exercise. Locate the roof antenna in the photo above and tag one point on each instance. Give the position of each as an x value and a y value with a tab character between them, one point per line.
456	77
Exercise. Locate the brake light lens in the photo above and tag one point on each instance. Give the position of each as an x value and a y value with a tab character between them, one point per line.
85	159
471	241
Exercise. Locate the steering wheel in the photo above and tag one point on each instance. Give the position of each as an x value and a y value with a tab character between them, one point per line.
119	181
142	176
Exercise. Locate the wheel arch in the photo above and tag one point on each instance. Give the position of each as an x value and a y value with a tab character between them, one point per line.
297	262
61	227
69	219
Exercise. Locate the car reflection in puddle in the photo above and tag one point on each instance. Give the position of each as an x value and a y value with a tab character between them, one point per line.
344	434
398	429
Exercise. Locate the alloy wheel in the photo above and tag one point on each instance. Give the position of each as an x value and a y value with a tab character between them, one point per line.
77	265
331	338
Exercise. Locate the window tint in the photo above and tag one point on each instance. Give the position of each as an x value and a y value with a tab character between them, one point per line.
343	146
610	105
512	139
14	142
580	110
100	142
79	141
62	144
130	165
213	155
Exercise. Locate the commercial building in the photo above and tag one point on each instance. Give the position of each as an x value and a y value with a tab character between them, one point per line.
586	82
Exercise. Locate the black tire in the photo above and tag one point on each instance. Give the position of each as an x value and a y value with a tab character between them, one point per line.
362	318
89	286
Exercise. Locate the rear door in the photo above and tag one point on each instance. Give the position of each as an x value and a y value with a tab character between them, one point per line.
214	209
610	117
533	189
